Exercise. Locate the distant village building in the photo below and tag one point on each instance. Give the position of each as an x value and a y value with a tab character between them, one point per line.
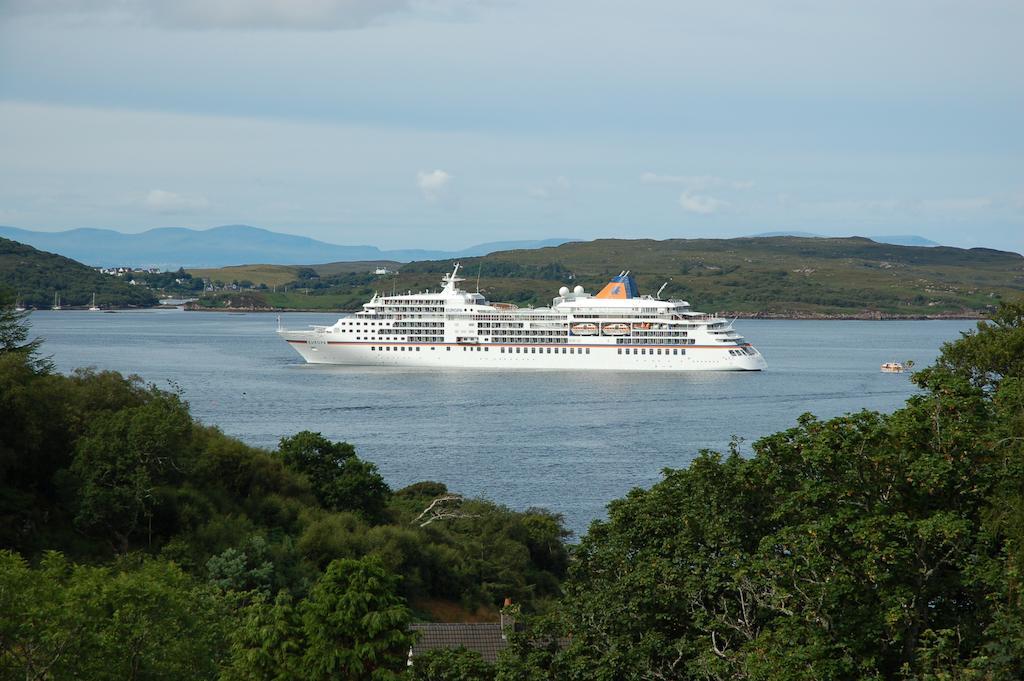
121	271
382	270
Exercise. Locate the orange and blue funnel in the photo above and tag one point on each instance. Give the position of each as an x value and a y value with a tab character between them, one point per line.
622	286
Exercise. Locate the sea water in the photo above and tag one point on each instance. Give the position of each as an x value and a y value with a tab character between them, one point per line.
567	441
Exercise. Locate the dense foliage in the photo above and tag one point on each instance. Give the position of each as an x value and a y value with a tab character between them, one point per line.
867	546
204	532
33	277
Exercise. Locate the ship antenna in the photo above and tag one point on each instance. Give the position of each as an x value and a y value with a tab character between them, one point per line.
658	294
478	271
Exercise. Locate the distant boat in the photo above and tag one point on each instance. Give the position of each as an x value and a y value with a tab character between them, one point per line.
892	368
56	302
19	306
93	308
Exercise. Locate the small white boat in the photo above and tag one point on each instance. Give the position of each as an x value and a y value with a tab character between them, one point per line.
56	302
893	368
93	307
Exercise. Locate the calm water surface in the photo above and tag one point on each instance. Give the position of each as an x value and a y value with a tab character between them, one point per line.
570	442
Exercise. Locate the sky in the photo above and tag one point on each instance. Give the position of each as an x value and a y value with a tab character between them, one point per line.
445	123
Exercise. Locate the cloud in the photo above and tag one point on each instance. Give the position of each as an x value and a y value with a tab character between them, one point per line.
170	203
696	183
693	198
219	14
702	205
434	185
557	190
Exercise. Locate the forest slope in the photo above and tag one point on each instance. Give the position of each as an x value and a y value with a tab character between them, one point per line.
34	276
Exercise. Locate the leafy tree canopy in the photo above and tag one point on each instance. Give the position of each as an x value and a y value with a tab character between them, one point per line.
340	480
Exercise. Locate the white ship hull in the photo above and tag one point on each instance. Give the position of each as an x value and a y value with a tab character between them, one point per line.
601	357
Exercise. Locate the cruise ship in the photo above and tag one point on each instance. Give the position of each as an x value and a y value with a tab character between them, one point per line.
614	329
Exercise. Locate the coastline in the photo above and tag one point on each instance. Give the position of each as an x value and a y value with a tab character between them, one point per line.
867	315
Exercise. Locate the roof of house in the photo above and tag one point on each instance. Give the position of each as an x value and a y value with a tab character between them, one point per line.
483	637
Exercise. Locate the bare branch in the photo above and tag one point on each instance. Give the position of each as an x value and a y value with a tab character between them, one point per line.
440	510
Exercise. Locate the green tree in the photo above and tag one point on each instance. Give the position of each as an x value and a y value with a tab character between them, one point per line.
267	644
14	333
450	665
356	626
122	460
340	480
244	569
138	620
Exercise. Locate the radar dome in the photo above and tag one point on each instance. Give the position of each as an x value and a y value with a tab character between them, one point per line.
564	291
578	290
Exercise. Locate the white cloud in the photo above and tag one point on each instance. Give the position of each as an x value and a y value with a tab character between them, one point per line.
702	205
434	185
696	183
170	203
557	190
693	198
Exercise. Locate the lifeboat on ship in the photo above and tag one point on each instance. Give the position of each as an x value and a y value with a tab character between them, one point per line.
615	329
583	329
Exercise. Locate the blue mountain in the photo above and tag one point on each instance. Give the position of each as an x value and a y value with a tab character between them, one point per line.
172	247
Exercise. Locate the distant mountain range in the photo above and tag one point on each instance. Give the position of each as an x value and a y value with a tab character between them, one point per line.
173	247
893	239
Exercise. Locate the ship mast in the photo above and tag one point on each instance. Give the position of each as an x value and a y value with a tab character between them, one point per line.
449	280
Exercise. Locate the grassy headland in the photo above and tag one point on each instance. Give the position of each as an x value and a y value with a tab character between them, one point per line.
764	276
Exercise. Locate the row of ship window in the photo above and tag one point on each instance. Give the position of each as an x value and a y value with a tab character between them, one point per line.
656	341
548	351
484	348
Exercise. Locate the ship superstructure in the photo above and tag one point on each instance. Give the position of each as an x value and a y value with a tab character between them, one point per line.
614	329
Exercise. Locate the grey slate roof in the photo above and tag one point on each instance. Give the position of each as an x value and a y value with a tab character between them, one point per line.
484	638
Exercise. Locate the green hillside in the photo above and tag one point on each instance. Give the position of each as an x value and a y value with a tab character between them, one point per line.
776	275
785	276
34	277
